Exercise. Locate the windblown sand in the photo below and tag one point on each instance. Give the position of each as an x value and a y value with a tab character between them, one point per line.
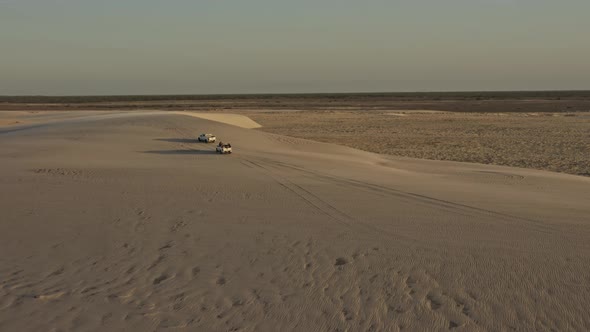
122	222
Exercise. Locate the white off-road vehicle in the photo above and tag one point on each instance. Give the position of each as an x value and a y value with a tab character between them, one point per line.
223	148
207	138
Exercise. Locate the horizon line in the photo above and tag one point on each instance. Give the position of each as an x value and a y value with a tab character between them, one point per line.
293	93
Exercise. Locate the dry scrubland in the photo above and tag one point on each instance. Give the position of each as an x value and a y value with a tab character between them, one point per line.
516	101
549	141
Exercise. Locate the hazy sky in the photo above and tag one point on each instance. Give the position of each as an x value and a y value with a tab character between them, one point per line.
248	46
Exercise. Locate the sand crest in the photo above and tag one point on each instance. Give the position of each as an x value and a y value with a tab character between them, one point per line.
237	120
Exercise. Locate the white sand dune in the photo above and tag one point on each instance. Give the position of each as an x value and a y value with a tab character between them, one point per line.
123	222
237	120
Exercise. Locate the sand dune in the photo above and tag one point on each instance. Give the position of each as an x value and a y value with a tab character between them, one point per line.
237	120
123	222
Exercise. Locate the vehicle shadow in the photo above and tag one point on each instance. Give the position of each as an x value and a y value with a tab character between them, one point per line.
178	140
186	151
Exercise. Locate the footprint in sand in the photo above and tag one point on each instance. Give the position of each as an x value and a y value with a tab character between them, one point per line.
159	279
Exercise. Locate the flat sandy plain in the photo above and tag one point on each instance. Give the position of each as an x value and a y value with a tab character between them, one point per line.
558	142
121	221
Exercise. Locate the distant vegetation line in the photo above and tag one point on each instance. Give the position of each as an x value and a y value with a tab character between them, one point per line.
398	96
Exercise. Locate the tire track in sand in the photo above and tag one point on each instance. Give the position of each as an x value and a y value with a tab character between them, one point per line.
307	196
447	205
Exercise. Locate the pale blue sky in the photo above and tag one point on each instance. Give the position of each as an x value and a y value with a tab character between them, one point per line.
69	47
